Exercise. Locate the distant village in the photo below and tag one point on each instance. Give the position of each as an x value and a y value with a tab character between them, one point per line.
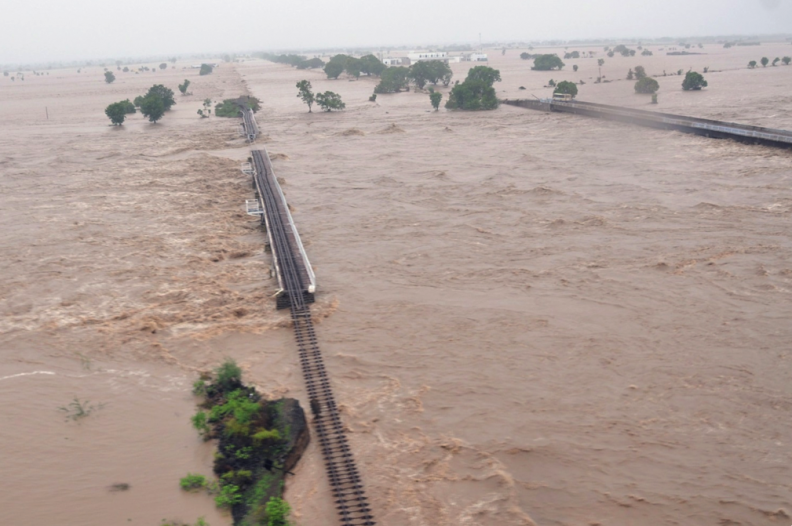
419	56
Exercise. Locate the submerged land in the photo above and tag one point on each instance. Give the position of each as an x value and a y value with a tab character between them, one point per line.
529	318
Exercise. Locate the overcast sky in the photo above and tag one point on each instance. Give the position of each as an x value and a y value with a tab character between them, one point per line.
42	30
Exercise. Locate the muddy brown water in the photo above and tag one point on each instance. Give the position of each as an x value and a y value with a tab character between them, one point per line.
528	317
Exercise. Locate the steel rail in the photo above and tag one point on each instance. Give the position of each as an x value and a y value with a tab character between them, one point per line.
345	482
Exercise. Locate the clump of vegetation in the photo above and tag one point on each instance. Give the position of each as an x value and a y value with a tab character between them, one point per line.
640	72
647	85
752	64
305	93
232	107
193	482
575	68
433	71
330	101
693	81
109	77
435	97
393	80
255	438
476	92
764	61
566	87
78	409
654	98
183	87
547	62
117	113
206	69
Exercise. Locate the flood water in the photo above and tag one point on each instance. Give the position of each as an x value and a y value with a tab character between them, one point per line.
528	318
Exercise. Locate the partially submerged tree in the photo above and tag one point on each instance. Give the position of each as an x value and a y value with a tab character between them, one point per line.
183	87
776	61
435	97
547	62
393	80
765	61
476	92
206	69
333	69
232	107
116	112
152	107
566	87
600	62
432	71
630	74
752	64
575	68
786	60
329	101
693	81
109	77
640	72
162	93
163	66
305	93
371	65
646	85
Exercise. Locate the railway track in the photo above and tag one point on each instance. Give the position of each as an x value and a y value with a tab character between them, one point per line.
344	477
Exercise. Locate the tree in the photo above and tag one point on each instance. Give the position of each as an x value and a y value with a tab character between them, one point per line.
312	63
640	72
693	81
547	62
646	53
138	101
776	61
752	64
152	107
574	68
163	66
393	80
183	87
116	112
600	62
109	77
435	97
207	104
421	72
526	56
353	67
162	93
329	101
476	92
646	85
305	93
206	69
786	60
574	54
125	70
371	65
128	106
764	61
333	69
630	74
566	87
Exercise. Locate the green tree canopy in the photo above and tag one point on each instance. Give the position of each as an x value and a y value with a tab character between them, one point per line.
485	74
566	87
371	65
183	87
786	60
765	61
693	81
393	80
333	69
329	101
646	85
109	77
353	67
305	93
206	69
152	107
435	97
547	62
313	63
163	66
640	72
752	64
162	93
476	93
116	112
128	106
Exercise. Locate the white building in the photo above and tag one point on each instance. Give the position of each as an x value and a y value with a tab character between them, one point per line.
393	61
427	55
478	57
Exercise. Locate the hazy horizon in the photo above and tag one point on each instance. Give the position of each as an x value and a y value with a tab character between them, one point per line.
90	29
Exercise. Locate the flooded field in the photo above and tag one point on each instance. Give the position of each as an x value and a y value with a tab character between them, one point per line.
529	318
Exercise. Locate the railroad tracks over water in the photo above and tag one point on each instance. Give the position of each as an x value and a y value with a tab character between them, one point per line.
297	285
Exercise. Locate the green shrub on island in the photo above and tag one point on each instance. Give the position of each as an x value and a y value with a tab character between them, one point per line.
153	108
109	77
435	98
547	62
693	81
206	69
117	112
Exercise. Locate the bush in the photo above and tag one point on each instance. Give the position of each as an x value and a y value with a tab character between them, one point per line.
109	77
786	60
163	66
333	69
435	98
183	87
630	75
574	68
646	53
764	61
566	87
206	69
231	107
547	62
752	64
229	496
640	72
654	98
693	81
277	512
476	93
574	54
116	112
646	85
371	65
330	101
164	94
199	420
192	482
228	375
526	56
